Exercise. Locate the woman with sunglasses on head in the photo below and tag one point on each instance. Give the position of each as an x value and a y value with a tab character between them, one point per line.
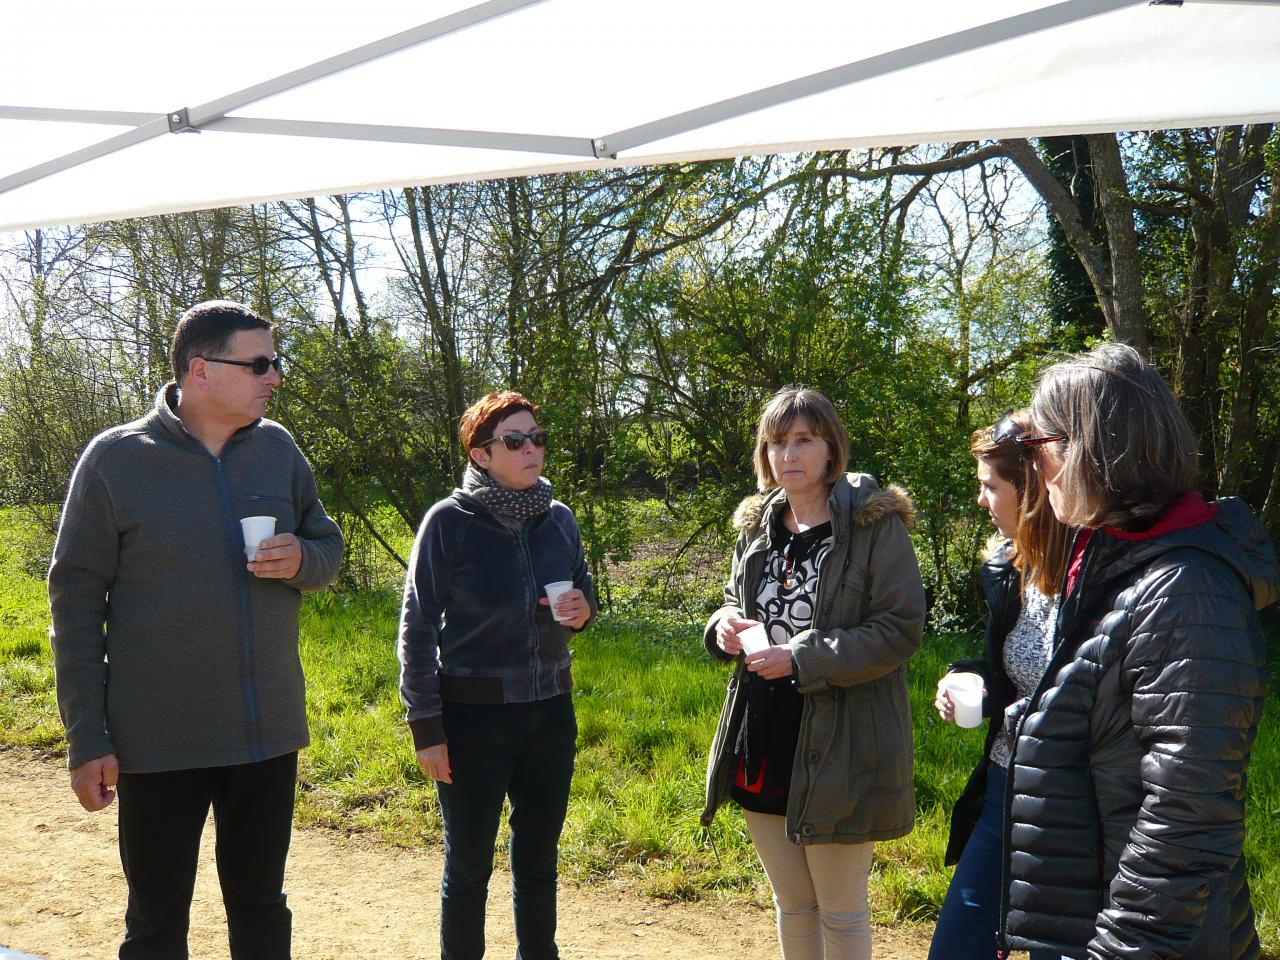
814	741
484	672
1126	821
1019	582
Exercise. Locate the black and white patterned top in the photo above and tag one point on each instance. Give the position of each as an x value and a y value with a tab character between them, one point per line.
786	596
1026	654
788	590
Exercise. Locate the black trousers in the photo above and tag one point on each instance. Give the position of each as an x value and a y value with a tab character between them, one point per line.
161	817
520	751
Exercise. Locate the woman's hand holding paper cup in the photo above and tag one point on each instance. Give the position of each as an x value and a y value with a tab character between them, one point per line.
568	604
771	662
959	698
942	701
727	630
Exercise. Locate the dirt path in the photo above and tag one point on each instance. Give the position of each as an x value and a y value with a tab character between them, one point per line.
62	896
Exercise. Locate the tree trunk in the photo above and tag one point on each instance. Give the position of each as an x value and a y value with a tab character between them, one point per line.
433	288
1259	294
1098	267
1127	319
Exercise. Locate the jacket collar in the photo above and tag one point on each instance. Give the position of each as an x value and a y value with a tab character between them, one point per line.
1189	510
164	415
856	500
997	570
1232	534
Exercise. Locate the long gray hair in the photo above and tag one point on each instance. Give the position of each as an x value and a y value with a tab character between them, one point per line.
1129	451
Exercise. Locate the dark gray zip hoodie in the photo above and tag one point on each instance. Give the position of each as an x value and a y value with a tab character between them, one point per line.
168	652
471	628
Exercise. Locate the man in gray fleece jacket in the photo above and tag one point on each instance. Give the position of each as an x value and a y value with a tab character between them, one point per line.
177	659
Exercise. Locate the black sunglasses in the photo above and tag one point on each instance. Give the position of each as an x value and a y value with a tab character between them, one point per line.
259	365
514	441
1008	429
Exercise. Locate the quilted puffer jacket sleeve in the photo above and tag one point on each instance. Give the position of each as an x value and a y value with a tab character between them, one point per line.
1197	675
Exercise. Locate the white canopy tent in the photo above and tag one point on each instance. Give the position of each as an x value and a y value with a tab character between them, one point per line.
145	107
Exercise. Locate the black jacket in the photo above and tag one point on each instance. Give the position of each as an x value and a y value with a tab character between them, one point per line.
1125	812
1001	588
471	628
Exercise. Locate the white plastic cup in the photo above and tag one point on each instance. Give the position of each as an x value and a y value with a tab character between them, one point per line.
256	529
554	592
966	696
753	639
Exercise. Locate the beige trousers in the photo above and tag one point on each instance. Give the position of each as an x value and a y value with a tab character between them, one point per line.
820	891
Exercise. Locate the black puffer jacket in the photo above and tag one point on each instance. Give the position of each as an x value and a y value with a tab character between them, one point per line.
1002	589
1126	804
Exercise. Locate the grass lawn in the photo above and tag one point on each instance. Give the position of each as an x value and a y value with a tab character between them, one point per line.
647	700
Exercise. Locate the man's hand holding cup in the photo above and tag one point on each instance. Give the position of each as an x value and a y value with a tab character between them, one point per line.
278	558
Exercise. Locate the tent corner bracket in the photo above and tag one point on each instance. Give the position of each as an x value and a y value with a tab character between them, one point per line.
180	121
600	150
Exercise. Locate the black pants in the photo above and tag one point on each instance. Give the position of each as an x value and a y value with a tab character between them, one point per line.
161	817
523	751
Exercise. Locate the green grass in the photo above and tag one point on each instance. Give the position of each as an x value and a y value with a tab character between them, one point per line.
28	709
647	699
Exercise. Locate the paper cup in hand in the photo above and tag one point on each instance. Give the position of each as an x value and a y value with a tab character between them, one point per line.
256	529
753	639
966	696
555	591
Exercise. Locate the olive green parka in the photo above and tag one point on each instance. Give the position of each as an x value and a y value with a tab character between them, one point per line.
852	778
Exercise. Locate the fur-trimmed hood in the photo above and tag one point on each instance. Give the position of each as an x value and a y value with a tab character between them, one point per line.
855	495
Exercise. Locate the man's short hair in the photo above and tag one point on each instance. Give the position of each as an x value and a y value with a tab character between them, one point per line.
206	330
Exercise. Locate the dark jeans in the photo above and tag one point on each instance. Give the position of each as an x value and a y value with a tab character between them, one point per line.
966	927
523	751
161	817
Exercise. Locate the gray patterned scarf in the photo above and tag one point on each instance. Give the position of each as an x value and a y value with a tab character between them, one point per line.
513	508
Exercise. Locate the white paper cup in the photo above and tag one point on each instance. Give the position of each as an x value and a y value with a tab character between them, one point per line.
753	639
555	591
256	529
966	696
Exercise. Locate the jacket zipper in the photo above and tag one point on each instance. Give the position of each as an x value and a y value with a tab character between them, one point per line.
824	589
244	621
533	616
1002	933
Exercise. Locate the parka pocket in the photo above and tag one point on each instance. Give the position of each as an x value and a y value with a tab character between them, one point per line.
891	721
863	736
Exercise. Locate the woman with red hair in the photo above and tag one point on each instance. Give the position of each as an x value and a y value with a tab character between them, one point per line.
484	672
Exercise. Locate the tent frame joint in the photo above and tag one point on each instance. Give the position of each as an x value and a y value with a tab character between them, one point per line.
600	149
180	121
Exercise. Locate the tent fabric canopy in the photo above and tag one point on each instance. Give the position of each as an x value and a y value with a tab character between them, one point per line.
111	111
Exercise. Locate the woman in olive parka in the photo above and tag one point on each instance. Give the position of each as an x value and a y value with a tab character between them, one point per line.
814	741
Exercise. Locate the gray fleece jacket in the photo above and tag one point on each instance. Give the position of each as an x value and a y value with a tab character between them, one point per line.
168	652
